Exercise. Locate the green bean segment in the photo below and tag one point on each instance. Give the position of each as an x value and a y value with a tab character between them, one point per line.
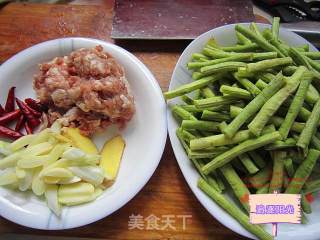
254	106
271	106
246	146
303	172
233	210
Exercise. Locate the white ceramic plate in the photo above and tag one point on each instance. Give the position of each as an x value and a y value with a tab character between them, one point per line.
226	36
145	136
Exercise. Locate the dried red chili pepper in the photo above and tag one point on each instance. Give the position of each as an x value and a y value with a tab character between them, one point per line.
20	123
28	128
10	100
8	117
9	133
2	111
34	112
31	119
36	105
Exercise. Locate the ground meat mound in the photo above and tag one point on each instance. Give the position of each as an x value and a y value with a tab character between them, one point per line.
86	89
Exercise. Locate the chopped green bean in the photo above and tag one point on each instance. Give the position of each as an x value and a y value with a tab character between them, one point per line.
283	48
235	57
264	56
182	140
222	125
187	135
269	129
285	180
222	67
213	183
219	180
299	58
198	56
185	146
272	105
261	178
263	43
264	189
212	43
255	29
259	161
242	39
238	187
194	109
239	166
241	48
254	106
197	76
197	94
207	92
315	142
288	165
266	77
186	99
182	113
306	207
204	154
248	85
187	88
235	92
310	127
248	163
312	94
246	146
276	182
202	60
314	64
199	125
214	116
235	212
218	140
312	186
288	143
296	104
235	111
304	48
303	172
214	101
275	27
312	55
215	53
267	64
261	84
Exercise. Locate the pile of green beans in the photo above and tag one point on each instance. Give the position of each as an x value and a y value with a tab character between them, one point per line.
249	119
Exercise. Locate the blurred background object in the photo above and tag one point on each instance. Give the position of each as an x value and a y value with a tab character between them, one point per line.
302	17
292	10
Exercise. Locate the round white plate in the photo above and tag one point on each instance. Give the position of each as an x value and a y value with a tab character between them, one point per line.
226	36
145	136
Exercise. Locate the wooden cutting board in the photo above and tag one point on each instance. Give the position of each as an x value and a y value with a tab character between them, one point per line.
179	19
23	25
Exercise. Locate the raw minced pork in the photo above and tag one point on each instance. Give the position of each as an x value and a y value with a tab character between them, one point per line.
86	89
